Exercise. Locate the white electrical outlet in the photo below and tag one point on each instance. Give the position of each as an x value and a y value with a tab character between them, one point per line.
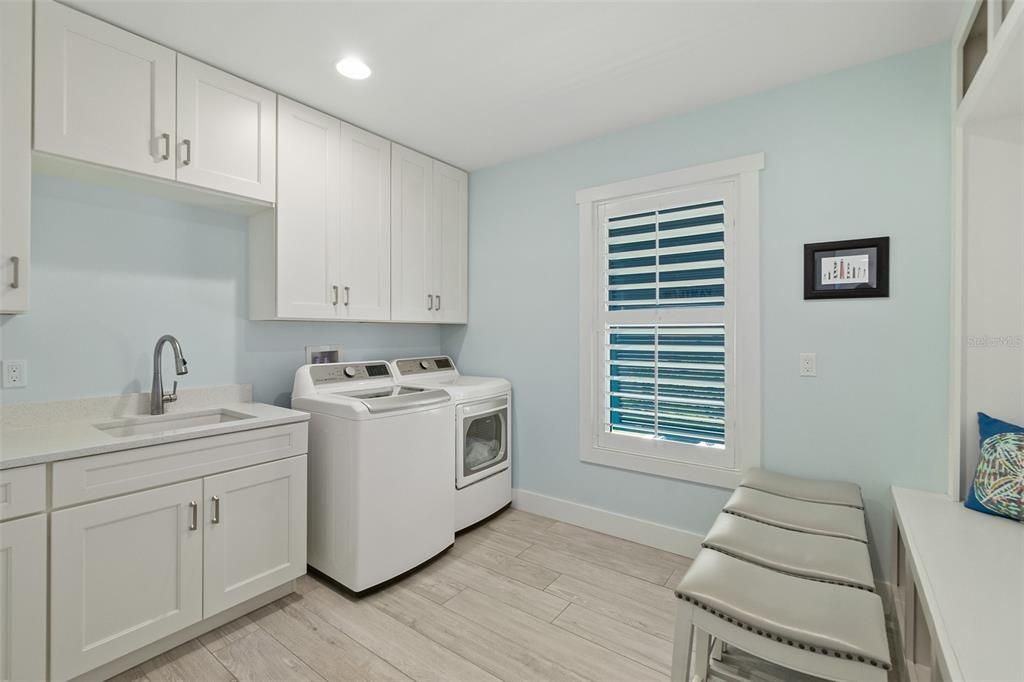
15	374
808	365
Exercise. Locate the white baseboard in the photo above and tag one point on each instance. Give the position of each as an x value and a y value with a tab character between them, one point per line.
648	533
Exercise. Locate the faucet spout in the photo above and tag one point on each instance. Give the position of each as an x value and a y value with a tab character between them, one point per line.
157	398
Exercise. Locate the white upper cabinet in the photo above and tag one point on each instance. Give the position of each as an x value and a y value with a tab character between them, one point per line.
428	239
109	97
365	243
327	253
308	217
226	132
451	204
15	153
413	244
102	94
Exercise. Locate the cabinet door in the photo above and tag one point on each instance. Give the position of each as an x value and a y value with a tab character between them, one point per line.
451	187
23	599
226	132
308	212
15	152
413	237
125	572
365	245
102	94
255	535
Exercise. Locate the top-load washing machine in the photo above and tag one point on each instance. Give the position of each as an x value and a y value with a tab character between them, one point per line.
380	471
482	428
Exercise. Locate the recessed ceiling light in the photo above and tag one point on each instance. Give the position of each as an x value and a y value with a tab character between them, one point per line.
354	68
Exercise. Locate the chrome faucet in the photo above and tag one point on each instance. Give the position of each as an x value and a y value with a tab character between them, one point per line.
157	397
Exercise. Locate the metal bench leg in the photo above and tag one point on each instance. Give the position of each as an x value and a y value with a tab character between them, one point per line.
682	642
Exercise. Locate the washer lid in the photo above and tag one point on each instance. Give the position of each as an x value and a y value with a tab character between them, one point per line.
461	387
394	398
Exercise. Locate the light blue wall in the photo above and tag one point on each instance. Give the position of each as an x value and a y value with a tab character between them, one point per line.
114	270
858	153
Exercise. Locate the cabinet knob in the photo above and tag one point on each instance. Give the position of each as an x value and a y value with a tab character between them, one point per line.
194	523
430	301
166	137
16	277
187	160
438	306
334	290
216	509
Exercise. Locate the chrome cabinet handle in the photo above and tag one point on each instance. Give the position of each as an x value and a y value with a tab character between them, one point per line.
334	289
166	137
216	509
345	302
188	152
438	306
16	278
430	301
194	523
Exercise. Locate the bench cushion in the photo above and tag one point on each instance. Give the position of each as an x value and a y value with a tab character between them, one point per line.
808	517
827	619
819	557
807	489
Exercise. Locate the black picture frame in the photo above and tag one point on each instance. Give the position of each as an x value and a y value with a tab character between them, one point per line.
828	259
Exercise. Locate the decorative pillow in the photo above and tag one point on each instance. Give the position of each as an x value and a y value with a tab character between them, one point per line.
998	486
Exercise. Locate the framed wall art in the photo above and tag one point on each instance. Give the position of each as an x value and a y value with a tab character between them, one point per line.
855	268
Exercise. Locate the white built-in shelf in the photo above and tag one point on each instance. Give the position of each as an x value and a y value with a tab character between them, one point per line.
969	571
994	100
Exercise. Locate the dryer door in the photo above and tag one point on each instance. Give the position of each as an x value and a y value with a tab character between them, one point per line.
483	440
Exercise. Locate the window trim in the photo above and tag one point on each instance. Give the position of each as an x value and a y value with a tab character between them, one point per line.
743	274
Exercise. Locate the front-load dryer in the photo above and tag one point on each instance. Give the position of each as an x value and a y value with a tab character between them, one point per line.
380	471
482	429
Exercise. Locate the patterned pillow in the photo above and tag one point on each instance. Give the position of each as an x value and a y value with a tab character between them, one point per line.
998	486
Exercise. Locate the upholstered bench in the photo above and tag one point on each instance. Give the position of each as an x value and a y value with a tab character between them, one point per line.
785	576
806	489
808	517
817	557
830	631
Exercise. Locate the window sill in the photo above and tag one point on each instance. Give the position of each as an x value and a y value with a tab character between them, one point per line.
684	471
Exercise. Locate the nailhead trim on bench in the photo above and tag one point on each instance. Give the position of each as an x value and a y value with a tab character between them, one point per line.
783	640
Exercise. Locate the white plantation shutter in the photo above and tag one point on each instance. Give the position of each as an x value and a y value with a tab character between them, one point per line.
665	319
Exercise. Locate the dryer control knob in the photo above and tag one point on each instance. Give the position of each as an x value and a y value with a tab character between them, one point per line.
350	372
424	364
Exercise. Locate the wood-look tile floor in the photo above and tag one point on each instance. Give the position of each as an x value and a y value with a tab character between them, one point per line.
521	597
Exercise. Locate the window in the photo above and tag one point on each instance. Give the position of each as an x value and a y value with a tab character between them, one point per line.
669	323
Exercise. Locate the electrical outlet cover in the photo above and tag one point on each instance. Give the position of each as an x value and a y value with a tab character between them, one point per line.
808	365
15	374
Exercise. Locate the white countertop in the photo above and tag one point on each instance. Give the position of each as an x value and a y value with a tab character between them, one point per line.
41	439
970	569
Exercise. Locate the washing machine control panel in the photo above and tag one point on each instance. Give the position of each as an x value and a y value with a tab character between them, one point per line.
337	373
424	366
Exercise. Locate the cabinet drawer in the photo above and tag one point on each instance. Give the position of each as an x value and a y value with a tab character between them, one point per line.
116	473
22	491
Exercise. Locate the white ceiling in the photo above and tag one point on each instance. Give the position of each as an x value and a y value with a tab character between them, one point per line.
478	83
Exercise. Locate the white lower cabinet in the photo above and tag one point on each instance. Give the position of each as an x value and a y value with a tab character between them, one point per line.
23	598
128	571
255	534
125	572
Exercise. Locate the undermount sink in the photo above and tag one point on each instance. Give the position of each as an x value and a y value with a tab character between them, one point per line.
141	426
